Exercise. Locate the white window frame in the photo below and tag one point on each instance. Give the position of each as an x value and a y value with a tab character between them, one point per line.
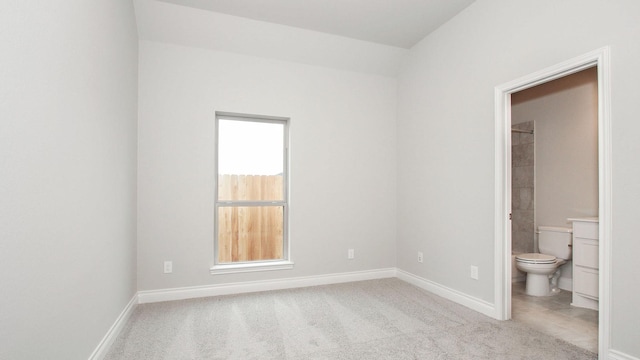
261	265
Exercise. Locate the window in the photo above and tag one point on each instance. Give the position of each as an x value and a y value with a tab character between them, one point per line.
251	194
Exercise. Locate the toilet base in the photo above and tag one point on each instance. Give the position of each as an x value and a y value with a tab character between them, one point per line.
538	285
542	279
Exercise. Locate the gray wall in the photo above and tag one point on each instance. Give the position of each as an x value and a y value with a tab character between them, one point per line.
67	174
446	137
343	141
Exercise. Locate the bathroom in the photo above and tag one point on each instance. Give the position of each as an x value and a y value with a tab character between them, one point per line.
554	178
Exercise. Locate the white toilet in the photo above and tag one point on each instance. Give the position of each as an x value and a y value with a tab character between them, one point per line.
555	249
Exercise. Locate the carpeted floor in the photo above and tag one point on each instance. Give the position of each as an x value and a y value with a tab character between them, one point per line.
378	319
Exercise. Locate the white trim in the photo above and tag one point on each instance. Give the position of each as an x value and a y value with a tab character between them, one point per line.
284	203
502	280
502	222
617	355
605	212
251	267
151	296
105	344
461	298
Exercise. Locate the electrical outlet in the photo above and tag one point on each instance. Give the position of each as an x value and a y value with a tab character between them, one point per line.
351	254
474	272
168	267
420	257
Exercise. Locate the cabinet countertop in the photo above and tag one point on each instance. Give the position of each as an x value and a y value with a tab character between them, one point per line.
584	219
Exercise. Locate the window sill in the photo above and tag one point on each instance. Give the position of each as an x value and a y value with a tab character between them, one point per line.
251	267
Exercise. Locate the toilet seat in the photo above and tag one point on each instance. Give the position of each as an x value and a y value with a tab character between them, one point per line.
536	258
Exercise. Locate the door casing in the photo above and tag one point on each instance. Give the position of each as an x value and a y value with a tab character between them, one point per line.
599	58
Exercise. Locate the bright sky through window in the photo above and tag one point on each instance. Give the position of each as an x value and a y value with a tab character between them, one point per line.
250	148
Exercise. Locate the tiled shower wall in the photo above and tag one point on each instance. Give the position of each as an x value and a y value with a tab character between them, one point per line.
522	188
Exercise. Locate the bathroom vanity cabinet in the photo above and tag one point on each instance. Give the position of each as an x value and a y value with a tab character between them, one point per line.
585	262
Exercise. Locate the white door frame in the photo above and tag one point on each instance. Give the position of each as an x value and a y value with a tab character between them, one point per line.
601	59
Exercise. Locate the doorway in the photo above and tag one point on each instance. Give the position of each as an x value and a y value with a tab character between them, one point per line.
554	138
503	273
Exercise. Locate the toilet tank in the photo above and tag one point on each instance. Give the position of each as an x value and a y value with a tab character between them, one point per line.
555	241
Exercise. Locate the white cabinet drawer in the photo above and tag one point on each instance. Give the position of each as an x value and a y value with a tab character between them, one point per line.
585	282
586	230
585	252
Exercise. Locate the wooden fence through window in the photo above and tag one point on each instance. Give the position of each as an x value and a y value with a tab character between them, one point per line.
250	233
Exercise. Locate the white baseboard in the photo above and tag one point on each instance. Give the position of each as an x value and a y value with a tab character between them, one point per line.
151	296
106	342
617	355
461	298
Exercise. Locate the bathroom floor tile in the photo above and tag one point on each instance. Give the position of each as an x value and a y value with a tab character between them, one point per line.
554	315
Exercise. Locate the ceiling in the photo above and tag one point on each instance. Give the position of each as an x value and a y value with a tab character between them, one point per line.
399	23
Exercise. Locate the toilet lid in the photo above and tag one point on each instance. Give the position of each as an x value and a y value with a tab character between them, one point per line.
535	258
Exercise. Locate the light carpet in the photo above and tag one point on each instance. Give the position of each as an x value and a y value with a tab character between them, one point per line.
378	319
